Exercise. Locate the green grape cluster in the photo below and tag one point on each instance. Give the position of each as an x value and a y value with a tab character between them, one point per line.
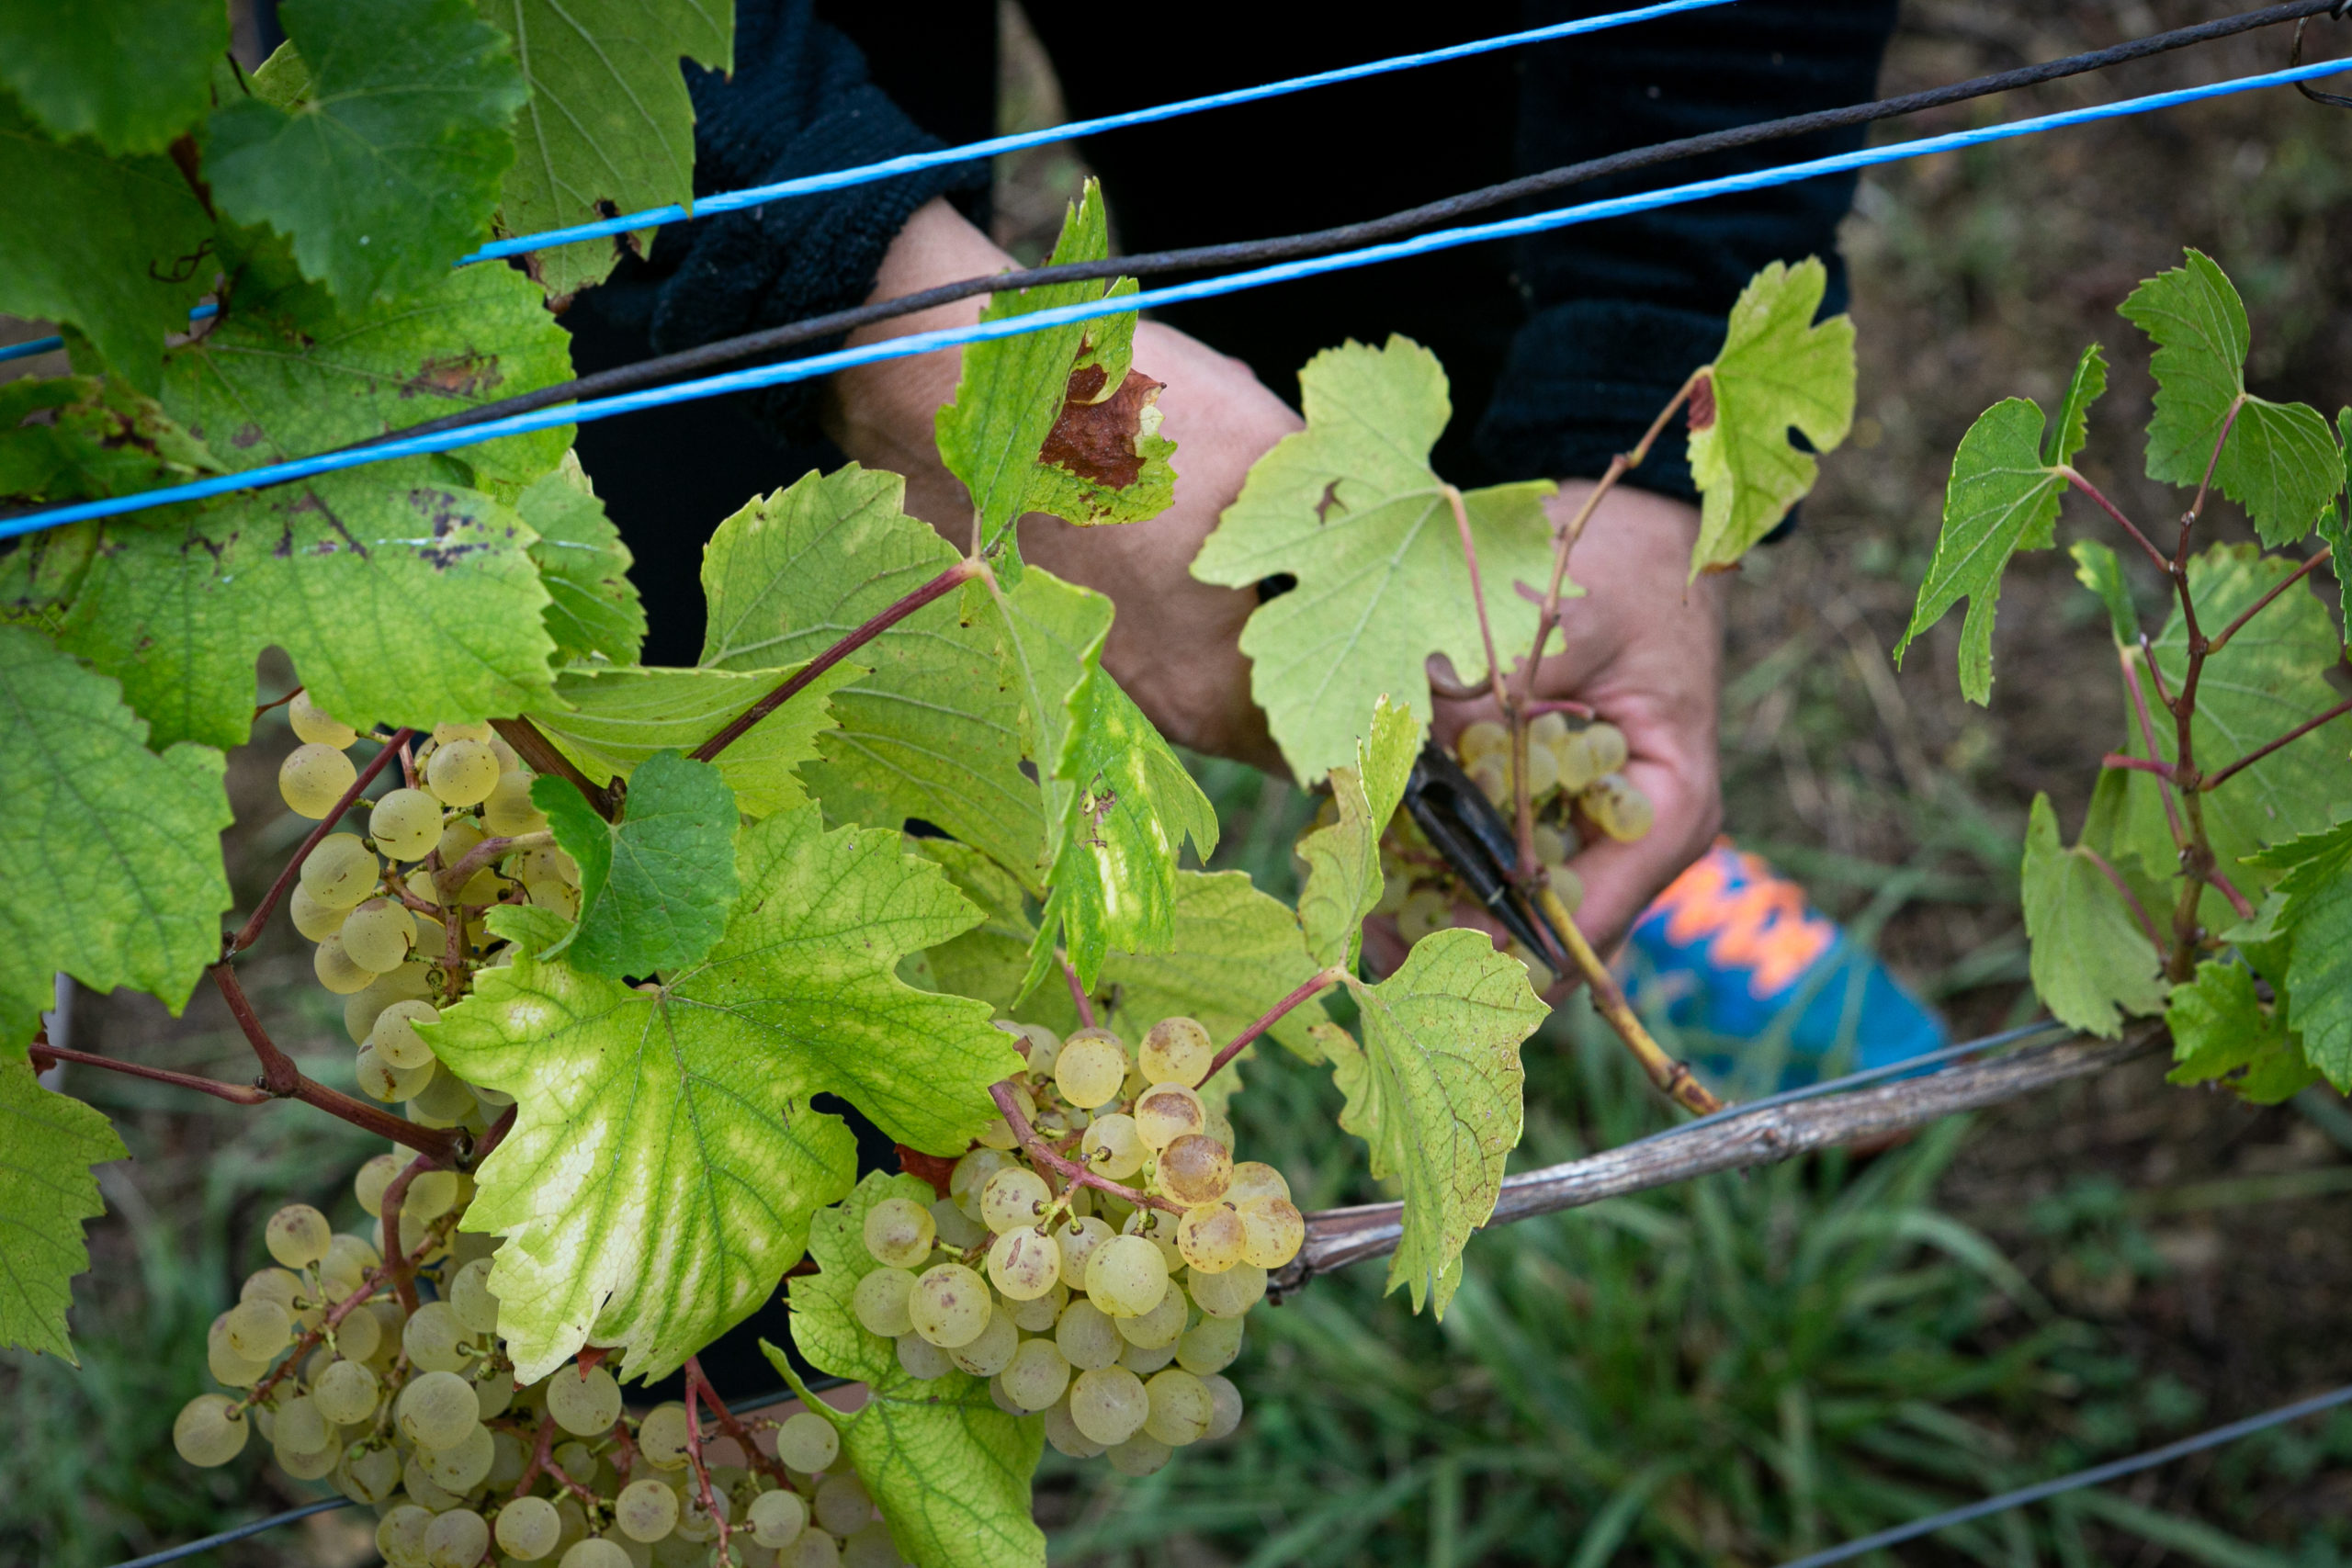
1112	1319
417	1414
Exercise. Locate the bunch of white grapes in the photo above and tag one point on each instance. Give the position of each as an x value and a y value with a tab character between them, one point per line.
417	1415
1574	781
1112	1320
392	940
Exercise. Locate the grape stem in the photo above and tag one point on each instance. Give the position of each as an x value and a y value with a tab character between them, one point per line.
531	744
542	1463
1322	980
2215	779
702	1471
376	1279
251	928
2131	662
1078	999
698	1387
1077	1175
1672	1078
2222	637
481	854
734	729
45	1055
389	1210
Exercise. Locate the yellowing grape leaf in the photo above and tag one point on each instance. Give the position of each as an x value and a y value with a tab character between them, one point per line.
130	74
48	1144
666	1163
73	436
2315	885
1434	1093
1057	421
1777	368
932	731
593	608
388	167
111	246
2092	960
608	127
2221	1032
656	886
1343	875
2279	461
615	717
113	851
1349	508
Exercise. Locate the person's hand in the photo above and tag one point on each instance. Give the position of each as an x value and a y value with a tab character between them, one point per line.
1645	652
1175	645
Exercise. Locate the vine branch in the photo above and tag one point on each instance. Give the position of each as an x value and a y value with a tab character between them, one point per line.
531	744
281	1080
2222	637
2222	775
46	1056
1672	1078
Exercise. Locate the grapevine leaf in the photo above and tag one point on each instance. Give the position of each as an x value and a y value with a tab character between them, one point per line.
2279	461
947	1467
1056	421
1777	368
1350	509
2335	529
593	608
666	1163
608	126
2097	569
2091	961
83	435
1434	1093
2316	913
388	169
2073	424
1343	875
824	1324
2221	1032
401	600
130	74
931	732
656	886
113	851
2001	499
615	717
48	1144
110	246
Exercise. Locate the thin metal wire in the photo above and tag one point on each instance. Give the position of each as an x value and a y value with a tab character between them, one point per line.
31	346
1014	326
190	1548
911	162
2096	1474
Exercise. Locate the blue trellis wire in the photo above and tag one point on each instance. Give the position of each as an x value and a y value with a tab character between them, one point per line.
1149	299
31	346
836	179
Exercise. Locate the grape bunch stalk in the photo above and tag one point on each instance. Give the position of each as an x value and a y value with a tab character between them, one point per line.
1093	1258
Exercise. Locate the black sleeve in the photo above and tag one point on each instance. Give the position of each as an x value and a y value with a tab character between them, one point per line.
800	101
1621	310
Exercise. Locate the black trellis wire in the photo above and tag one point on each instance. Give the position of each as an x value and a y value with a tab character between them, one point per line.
1251	252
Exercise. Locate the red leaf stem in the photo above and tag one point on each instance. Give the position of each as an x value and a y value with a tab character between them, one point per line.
1069	1170
1321	981
45	1054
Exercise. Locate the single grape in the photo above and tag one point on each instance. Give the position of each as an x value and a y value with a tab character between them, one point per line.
226	1366
595	1553
1091	1069
1113	1147
306	1464
511	1457
898	1231
345	1392
1167	1111
991	1351
776	1517
379	935
811	1549
1109	1404
341	871
1483	739
807	1442
494	1393
357	1338
661	1436
1574	757
1087	1336
297	1235
1491	773
841	1505
1126	1277
297	1426
508	810
210	1430
421	1488
456	1539
582	1404
1272	1232
1543	771
1608	749
431	1194
1426	912
970	1179
528	1529
381	1080
313	778
436	1410
870	1546
1231	1293
461	772
1176	1050
473	730
1212	1237
880	1301
434	1338
1063	1433
1076	1240
921	1359
1159	1227
459	1470
1039	1314
1194	1170
313	919
369	1475
1180	1407
1566	884
956	1229
1618	809
469	1296
337	970
258	1329
1228	1401
1040	1047
315	725
458	837
645	1510
1025	1264
1547	729
1014	1197
405	824
1209	1346
1158	1326
950	1306
1139	1456
444	1101
1038	1375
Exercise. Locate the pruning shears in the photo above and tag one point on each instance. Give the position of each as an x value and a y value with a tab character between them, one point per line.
1463	825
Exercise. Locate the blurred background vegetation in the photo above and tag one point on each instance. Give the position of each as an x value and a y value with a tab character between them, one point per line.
1730	1371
